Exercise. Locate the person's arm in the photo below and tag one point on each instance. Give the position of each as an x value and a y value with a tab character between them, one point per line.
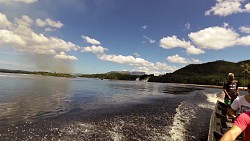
232	113
231	134
237	89
226	93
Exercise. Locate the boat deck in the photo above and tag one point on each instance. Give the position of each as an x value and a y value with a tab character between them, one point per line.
218	124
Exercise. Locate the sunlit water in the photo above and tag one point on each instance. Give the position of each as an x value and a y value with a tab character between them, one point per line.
49	108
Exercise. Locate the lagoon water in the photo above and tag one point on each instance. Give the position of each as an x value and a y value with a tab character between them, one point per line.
49	108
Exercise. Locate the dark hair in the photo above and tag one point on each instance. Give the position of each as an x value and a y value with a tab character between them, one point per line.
248	86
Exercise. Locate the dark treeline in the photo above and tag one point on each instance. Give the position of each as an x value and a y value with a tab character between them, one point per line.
113	76
55	74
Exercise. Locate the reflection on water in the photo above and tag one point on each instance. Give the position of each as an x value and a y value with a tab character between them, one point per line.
48	108
30	98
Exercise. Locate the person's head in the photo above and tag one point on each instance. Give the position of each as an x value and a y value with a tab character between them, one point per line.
231	76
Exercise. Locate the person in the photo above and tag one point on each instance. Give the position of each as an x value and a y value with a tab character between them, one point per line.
241	104
231	91
241	124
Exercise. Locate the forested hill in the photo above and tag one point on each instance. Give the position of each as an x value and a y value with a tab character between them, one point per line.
213	73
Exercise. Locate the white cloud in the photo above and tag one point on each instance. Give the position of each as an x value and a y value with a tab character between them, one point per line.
25	21
247	7
139	63
8	37
91	40
151	41
49	29
41	23
94	49
48	22
24	39
4	22
245	41
26	1
177	59
129	60
173	42
228	7
181	60
15	1
193	50
195	61
63	56
157	69
245	29
214	38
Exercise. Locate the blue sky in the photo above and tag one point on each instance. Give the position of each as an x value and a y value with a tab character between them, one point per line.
98	36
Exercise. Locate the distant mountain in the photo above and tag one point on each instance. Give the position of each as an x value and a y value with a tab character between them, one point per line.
214	73
212	68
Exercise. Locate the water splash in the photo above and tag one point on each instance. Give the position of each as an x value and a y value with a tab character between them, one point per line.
185	112
212	98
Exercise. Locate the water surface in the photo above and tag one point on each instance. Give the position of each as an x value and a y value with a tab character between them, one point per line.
49	108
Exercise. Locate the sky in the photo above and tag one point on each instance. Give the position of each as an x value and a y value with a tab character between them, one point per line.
98	36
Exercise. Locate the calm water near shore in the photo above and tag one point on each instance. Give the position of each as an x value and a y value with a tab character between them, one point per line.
49	108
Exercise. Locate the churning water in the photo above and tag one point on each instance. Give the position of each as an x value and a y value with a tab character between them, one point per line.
48	108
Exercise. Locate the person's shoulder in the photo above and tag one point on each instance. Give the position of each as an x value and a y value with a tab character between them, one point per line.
245	114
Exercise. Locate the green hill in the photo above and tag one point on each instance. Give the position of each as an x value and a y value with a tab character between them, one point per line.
212	73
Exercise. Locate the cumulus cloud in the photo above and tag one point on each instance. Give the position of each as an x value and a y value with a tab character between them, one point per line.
139	63
181	60
14	1
245	41
91	40
48	22
20	36
177	59
245	29
173	42
24	20
129	60
214	38
194	50
151	41
63	56
9	37
4	22
228	7
94	49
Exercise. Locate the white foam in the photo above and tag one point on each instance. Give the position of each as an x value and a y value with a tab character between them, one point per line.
116	133
184	114
212	98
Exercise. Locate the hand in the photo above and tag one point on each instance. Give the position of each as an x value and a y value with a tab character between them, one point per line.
234	117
